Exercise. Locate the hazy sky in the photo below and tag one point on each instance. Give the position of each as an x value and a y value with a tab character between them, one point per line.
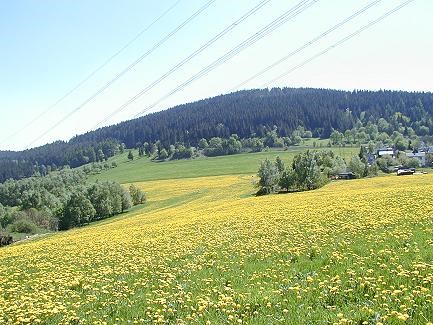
48	47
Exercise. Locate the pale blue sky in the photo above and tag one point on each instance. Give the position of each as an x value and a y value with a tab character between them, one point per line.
48	47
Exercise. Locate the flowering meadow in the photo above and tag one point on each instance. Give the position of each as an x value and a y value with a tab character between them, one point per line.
205	251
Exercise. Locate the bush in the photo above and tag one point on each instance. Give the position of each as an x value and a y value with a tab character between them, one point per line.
268	177
41	218
108	199
137	195
413	163
385	162
358	167
60	200
163	154
220	147
306	167
181	152
23	226
287	180
6	216
78	211
126	200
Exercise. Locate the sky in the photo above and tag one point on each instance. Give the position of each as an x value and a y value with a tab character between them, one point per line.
49	47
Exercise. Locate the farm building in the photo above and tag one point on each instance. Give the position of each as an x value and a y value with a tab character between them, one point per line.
386	151
346	175
421	156
426	149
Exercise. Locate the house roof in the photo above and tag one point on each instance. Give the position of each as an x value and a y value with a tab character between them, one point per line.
385	152
417	154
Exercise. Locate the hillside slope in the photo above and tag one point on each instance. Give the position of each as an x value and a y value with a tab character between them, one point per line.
144	169
258	110
249	113
206	250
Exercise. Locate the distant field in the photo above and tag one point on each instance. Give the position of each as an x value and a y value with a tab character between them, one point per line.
142	169
205	251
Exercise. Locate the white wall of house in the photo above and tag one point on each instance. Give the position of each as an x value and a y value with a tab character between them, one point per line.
381	153
419	155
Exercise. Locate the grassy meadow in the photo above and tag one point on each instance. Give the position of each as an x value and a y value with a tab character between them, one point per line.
143	169
204	250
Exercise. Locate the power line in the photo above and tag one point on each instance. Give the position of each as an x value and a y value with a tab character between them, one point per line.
127	69
357	32
286	16
184	61
309	43
90	75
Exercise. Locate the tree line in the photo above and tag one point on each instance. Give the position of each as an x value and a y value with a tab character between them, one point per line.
347	116
313	169
258	111
217	146
52	157
60	201
310	170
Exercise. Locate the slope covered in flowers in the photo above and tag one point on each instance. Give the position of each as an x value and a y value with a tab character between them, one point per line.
206	251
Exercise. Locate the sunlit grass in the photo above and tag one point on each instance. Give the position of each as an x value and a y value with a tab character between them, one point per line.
143	169
208	251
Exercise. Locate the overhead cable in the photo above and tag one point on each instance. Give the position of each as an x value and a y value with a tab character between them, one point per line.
184	61
309	43
90	75
357	32
282	19
123	72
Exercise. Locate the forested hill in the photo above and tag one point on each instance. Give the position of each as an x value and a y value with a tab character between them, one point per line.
256	111
246	113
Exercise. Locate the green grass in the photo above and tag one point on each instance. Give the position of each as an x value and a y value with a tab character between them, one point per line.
240	258
18	236
319	142
143	169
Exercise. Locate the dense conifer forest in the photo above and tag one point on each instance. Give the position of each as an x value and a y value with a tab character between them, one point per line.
248	114
256	111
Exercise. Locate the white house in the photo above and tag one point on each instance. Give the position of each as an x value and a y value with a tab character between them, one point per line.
386	151
419	155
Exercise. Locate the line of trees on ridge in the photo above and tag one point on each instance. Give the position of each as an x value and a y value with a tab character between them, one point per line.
403	119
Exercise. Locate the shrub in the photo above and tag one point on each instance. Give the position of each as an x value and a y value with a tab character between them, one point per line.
41	218
268	177
23	226
126	200
385	162
137	195
413	163
307	171
288	179
78	211
358	167
6	216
